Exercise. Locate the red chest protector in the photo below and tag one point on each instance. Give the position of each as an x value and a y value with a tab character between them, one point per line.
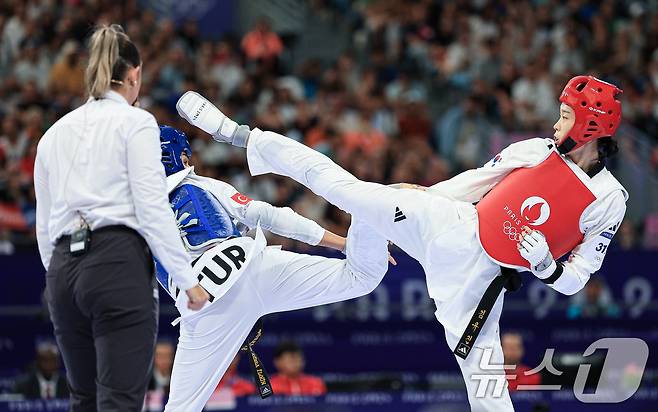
548	197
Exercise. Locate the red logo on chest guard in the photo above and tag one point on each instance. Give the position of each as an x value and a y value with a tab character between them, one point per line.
535	210
240	198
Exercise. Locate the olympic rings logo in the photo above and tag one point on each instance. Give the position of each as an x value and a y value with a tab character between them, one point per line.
510	231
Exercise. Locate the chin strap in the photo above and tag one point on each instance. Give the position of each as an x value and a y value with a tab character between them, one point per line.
566	146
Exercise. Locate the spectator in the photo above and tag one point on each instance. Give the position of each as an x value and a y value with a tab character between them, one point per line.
463	132
651	232
363	136
414	122
171	75
594	301
405	89
6	246
226	69
534	98
627	237
163	360
569	58
44	381
158	387
231	381
513	352
467	71
262	43
67	74
290	379
14	32
13	141
230	388
32	66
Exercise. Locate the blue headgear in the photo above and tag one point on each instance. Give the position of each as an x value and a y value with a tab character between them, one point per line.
173	143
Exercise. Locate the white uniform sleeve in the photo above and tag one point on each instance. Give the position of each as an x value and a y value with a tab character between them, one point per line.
587	257
471	185
282	221
42	194
149	190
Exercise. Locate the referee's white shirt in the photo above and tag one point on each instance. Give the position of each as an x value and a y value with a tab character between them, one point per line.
102	161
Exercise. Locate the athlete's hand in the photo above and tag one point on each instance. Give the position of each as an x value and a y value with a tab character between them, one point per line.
534	248
197	297
199	112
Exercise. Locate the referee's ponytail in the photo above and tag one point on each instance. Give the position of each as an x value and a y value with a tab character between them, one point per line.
111	54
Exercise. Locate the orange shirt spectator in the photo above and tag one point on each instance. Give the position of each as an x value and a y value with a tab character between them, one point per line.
369	141
323	139
290	379
315	136
262	42
364	137
68	74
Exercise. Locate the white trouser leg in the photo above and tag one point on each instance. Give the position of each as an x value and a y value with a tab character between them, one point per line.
407	217
207	344
290	281
275	281
496	397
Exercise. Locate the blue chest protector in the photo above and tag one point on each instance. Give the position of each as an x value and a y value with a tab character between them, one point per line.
201	218
202	221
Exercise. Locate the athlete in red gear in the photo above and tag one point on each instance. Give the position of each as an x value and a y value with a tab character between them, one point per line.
535	201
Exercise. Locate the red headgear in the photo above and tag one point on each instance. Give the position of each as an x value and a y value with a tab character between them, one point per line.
597	110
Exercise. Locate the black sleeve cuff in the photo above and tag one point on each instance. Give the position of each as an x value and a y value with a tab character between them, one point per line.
556	274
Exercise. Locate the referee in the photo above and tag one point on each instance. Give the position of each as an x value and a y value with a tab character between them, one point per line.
102	209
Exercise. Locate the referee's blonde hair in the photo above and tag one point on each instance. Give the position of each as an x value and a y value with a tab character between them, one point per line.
111	53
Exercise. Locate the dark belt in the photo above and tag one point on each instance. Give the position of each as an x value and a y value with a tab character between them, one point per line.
108	229
509	279
260	374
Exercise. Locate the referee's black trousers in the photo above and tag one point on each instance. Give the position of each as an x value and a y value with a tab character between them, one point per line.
104	309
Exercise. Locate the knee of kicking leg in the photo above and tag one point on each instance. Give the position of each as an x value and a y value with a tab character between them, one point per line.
371	283
368	275
367	251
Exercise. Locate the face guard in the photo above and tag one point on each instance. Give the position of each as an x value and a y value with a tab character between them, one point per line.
173	143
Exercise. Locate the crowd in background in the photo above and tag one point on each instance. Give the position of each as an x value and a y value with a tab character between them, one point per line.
428	88
43	378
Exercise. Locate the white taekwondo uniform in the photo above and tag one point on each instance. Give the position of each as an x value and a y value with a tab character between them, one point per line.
439	228
260	280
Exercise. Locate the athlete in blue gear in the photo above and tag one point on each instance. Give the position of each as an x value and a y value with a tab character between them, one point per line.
245	278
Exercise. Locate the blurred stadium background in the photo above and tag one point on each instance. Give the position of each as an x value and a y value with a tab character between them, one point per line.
395	91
